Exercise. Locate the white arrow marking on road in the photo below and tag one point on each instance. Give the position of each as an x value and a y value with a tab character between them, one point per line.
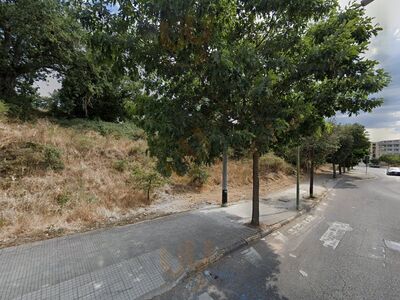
335	234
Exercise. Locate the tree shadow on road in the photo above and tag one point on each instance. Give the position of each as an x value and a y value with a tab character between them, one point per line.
249	273
346	183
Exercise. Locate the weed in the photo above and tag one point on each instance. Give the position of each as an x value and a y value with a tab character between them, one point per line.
3	222
83	144
4	108
52	158
118	130
147	179
120	165
198	175
63	199
274	164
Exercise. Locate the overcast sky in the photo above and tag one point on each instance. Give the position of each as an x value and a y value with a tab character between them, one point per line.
384	122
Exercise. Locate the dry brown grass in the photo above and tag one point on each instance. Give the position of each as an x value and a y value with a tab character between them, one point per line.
95	185
88	190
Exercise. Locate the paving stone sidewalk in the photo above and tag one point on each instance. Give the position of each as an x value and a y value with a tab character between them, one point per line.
135	261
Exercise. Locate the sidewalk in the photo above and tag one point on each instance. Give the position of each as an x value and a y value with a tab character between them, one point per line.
140	260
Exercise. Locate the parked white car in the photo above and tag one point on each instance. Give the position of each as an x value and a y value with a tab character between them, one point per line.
393	171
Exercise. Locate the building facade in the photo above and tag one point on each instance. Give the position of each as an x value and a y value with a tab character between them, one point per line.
385	147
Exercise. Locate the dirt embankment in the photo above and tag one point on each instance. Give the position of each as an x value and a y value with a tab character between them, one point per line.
57	179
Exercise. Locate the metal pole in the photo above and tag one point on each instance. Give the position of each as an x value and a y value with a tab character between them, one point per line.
298	179
366	2
225	178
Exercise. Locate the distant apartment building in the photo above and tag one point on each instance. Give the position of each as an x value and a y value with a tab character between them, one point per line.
385	147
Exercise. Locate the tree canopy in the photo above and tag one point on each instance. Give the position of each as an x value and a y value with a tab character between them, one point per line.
37	37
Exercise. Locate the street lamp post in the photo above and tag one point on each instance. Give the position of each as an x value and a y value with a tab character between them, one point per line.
366	2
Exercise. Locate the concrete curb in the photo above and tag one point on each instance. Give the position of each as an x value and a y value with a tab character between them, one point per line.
261	233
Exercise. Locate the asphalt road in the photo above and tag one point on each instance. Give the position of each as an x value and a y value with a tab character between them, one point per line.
345	249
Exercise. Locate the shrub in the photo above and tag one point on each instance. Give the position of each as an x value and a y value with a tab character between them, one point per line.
20	159
119	130
147	179
3	222
274	164
198	175
52	158
120	165
83	144
63	199
20	107
3	109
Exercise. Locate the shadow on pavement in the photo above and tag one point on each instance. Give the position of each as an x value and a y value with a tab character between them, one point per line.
250	273
346	183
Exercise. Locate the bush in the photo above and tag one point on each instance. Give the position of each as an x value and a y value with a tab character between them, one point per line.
391	159
20	107
63	199
271	163
120	165
3	109
118	130
198	175
52	158
147	179
20	159
3	222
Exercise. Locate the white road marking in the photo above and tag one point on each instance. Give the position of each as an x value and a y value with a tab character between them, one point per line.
292	255
392	245
335	234
299	226
205	296
303	273
97	285
252	256
279	236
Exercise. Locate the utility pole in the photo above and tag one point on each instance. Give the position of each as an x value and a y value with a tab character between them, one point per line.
225	178
366	159
298	179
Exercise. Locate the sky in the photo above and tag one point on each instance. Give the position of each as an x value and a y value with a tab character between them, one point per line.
384	122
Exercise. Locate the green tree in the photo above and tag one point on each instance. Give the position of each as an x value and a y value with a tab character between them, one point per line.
343	153
103	77
37	37
390	159
316	149
223	74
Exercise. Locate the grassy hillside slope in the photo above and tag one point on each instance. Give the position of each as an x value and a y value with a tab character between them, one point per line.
59	177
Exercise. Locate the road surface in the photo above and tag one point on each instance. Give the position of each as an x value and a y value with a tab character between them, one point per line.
347	248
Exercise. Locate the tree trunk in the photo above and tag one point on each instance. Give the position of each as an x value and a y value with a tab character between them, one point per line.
340	169
7	86
344	170
255	218
312	177
298	179
334	170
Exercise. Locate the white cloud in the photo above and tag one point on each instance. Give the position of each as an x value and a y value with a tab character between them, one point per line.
381	134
